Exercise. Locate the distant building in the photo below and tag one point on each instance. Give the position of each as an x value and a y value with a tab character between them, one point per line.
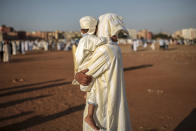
7	33
145	34
10	34
71	34
37	35
188	34
5	29
177	34
193	34
149	36
132	33
21	35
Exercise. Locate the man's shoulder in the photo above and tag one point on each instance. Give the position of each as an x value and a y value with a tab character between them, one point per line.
88	38
109	49
94	38
104	49
83	38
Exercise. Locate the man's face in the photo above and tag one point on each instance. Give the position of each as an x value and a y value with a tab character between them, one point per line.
114	38
84	31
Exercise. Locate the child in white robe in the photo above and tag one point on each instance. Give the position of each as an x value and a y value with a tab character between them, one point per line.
84	51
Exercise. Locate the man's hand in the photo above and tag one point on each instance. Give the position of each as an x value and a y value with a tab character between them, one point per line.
82	78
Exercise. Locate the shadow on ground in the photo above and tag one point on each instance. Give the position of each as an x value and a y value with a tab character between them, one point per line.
33	89
29	85
16	116
137	67
11	103
189	123
37	120
19	60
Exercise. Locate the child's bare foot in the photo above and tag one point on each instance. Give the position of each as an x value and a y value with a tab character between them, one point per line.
84	96
89	120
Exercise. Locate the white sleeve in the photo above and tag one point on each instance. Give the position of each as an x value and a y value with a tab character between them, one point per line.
99	63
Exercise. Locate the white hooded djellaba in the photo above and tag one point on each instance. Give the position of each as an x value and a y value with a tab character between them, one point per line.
105	66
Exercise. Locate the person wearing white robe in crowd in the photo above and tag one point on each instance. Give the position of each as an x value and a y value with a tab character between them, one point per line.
30	45
58	45
135	45
46	45
41	44
106	69
6	52
1	51
68	45
145	44
129	41
14	50
166	44
171	41
22	47
161	44
17	45
38	44
53	45
26	45
153	45
72	41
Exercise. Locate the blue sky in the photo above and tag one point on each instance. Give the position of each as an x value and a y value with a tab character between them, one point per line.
49	15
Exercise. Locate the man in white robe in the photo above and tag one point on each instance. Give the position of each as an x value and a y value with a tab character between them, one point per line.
161	44
26	45
135	44
58	45
6	52
153	45
30	45
22	47
1	51
106	69
14	50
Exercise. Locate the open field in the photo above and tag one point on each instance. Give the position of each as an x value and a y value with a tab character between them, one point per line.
36	91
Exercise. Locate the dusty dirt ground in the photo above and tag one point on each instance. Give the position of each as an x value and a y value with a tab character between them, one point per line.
36	92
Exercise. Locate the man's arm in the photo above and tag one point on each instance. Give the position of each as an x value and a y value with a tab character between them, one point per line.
99	63
82	78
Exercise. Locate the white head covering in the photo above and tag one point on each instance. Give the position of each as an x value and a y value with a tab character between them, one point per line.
88	22
110	24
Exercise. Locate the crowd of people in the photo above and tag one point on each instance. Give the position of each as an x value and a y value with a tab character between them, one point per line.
14	47
162	44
